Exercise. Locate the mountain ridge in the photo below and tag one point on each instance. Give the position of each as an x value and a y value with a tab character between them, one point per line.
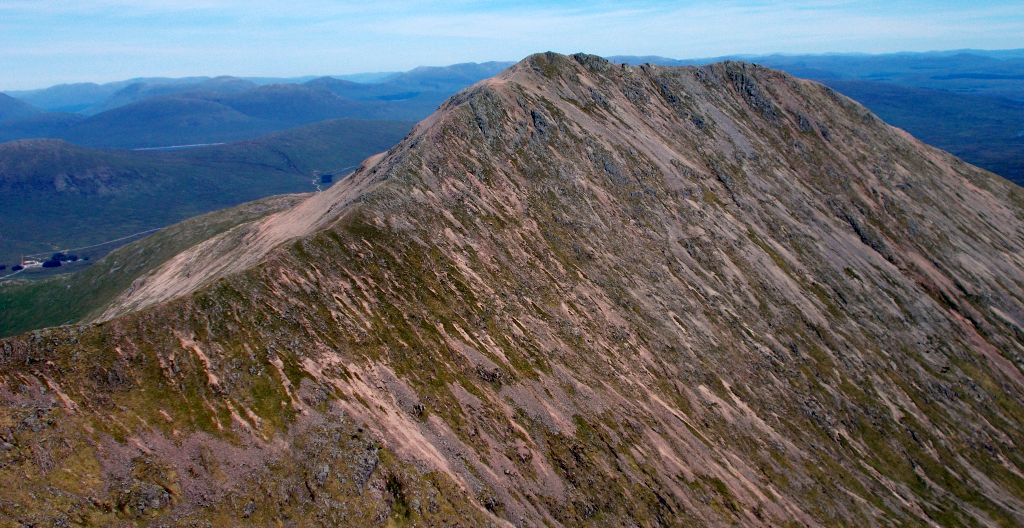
975	115
579	293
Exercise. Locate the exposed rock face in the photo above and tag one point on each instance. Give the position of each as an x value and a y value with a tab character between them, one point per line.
580	293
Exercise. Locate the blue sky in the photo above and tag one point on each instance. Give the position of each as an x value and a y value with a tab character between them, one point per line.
43	42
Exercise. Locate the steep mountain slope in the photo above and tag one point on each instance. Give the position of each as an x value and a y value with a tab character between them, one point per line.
985	131
56	195
578	294
970	104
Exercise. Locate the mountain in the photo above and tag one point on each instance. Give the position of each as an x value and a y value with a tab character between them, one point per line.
12	109
166	121
968	102
139	91
73	97
963	71
56	195
291	103
365	77
19	119
578	294
414	94
964	101
92	98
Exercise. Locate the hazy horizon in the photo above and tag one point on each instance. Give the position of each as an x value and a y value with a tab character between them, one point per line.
110	40
213	75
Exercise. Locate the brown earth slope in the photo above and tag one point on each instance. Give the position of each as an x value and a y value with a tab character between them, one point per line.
580	293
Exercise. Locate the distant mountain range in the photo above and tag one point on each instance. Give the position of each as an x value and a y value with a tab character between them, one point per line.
12	109
162	112
92	98
970	102
56	195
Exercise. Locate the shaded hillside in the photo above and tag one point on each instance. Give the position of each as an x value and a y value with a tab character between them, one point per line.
141	90
12	109
27	305
197	118
74	97
55	195
579	294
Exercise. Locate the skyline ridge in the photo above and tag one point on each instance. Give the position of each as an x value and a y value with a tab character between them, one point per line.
383	75
107	39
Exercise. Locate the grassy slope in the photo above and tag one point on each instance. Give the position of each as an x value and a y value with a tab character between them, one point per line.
55	196
27	305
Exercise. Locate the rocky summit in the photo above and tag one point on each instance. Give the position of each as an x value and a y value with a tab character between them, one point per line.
580	293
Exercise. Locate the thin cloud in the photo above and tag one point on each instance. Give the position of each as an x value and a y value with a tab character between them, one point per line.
43	42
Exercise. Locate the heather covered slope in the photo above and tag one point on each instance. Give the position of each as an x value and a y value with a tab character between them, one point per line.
578	294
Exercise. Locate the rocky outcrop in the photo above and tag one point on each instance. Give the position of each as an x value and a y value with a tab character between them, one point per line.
580	293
